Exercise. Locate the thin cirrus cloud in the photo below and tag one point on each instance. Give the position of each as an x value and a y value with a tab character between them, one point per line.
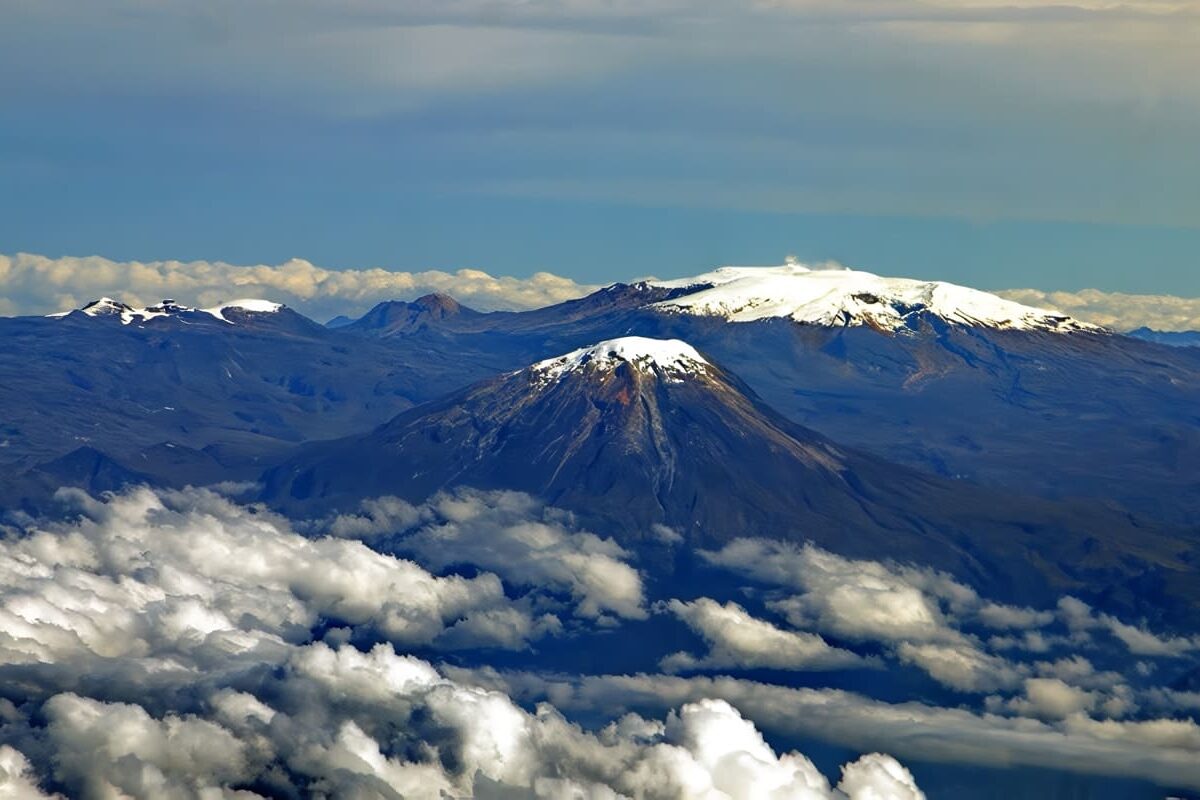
35	284
1093	77
461	130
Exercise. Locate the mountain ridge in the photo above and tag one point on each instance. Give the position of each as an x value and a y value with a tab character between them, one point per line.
845	297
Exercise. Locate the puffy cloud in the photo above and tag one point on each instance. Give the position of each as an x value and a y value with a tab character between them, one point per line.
17	781
859	600
1142	642
148	587
34	284
878	777
377	516
916	611
1051	698
119	750
705	750
1079	671
961	667
869	600
738	640
929	620
733	758
1116	310
524	541
347	723
162	645
1081	619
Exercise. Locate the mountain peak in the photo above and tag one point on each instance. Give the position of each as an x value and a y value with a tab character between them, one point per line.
108	307
845	297
100	307
441	304
245	305
671	358
409	316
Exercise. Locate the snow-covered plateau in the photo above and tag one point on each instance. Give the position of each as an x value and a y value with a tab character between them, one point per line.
846	297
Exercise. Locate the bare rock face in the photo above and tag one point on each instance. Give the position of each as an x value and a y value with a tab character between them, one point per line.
399	317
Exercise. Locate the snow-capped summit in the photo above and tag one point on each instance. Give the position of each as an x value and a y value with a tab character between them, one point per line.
108	307
671	358
249	305
846	297
105	306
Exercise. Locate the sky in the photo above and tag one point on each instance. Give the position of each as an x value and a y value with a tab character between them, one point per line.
1028	144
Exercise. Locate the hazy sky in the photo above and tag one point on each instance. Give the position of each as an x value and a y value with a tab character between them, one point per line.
1021	144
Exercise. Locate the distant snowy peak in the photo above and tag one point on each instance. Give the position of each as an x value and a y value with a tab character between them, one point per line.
850	298
672	359
107	307
245	305
104	307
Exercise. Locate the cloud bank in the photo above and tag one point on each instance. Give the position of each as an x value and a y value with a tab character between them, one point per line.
33	284
1115	310
1165	751
927	620
174	644
151	588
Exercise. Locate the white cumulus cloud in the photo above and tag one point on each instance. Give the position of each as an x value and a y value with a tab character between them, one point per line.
17	779
174	644
738	640
35	284
867	600
929	620
521	539
1117	310
149	586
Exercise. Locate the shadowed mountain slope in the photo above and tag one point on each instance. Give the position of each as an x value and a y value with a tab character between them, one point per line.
633	433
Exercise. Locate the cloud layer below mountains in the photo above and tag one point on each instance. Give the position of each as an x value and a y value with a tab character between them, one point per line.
175	644
34	284
164	643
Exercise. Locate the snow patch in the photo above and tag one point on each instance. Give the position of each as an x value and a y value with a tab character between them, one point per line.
671	358
846	297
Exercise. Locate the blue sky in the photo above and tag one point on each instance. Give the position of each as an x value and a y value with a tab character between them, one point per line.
1031	144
